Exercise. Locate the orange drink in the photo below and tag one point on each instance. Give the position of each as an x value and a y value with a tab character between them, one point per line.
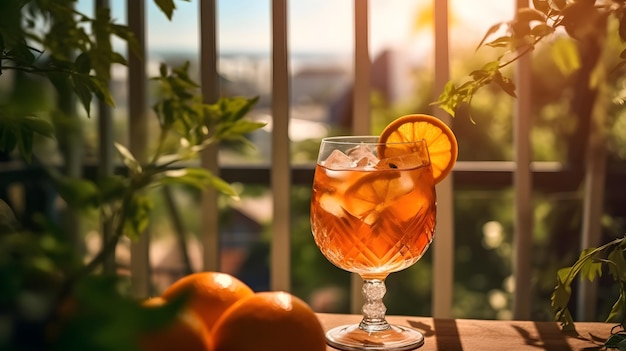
374	220
373	210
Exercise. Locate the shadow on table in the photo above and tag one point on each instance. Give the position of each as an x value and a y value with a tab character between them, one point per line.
552	338
448	334
543	335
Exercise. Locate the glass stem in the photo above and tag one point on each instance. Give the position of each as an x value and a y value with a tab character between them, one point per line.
373	308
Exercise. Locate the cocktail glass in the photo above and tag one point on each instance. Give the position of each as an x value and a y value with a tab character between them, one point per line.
373	215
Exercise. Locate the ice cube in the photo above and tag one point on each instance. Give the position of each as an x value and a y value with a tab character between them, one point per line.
337	160
360	153
363	162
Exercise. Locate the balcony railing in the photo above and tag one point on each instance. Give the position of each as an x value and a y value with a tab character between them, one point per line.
521	173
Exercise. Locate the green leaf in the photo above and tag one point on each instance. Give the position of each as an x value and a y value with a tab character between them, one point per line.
565	275
567	322
541	30
22	55
565	55
112	187
446	97
588	266
137	216
618	266
195	177
129	160
167	7
239	128
128	35
82	63
182	73
505	84
8	221
25	142
101	90
561	295
492	30
591	269
616	341
527	15
486	72
38	125
8	140
222	186
166	112
235	108
82	88
617	310
78	193
542	5
199	178
180	87
501	42
118	58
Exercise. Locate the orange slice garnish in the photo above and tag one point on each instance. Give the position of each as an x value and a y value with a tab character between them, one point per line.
440	140
372	194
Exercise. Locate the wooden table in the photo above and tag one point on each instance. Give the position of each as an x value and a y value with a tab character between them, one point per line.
486	335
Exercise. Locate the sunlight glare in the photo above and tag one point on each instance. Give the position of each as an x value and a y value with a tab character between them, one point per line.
283	299
223	280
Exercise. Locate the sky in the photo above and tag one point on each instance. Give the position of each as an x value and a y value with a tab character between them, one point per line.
318	26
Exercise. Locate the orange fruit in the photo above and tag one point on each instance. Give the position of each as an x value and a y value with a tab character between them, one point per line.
276	321
211	293
186	333
440	139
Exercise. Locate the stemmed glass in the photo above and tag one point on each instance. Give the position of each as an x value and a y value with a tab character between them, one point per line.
373	210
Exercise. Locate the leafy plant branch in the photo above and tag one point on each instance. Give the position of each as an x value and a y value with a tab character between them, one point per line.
582	20
590	266
53	40
38	264
125	195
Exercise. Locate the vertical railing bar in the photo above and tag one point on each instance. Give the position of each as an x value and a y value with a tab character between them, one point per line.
210	87
522	183
139	261
593	204
105	157
443	246
281	168
361	117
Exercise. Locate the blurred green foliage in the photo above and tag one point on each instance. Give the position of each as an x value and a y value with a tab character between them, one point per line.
51	298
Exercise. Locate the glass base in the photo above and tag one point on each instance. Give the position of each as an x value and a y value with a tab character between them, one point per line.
352	338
